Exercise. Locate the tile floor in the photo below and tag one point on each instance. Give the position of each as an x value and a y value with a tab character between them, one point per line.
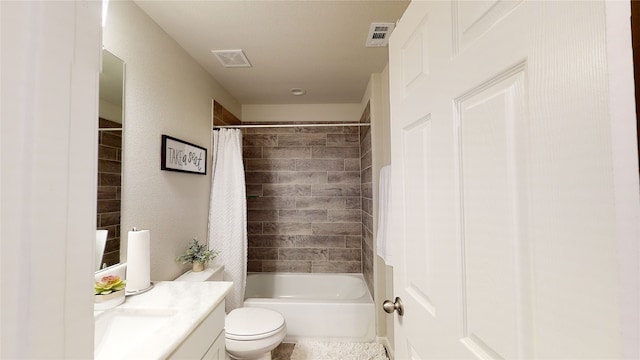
282	352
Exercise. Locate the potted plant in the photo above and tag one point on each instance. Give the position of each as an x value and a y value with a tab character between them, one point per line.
198	255
108	292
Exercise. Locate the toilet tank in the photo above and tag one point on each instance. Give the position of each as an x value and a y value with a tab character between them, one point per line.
213	273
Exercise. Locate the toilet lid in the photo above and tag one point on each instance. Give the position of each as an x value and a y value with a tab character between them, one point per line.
249	322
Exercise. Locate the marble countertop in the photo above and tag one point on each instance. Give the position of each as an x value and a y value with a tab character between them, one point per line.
181	305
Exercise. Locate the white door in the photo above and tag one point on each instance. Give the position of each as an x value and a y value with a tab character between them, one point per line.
503	186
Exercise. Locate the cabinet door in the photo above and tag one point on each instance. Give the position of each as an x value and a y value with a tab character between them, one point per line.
217	349
201	340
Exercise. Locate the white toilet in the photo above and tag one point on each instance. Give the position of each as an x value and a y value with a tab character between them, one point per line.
250	333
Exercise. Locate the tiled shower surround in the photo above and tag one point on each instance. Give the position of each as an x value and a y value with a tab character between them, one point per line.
304	199
366	182
109	186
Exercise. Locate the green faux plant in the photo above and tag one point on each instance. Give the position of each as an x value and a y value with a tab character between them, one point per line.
197	253
109	284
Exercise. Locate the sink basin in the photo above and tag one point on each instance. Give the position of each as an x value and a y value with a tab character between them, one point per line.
119	330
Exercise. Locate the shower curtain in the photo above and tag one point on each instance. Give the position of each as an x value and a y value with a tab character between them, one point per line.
228	212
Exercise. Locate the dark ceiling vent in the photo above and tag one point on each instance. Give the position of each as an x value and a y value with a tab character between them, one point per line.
379	34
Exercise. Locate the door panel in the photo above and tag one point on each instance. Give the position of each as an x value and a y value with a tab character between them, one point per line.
415	57
503	188
419	274
494	239
472	19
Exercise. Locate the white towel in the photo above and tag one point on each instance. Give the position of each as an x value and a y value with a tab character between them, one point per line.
383	238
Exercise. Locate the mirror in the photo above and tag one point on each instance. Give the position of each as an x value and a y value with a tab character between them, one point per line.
111	116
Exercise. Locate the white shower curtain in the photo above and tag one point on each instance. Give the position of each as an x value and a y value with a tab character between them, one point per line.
228	212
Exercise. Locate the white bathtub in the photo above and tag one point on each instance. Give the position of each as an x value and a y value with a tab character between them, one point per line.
320	306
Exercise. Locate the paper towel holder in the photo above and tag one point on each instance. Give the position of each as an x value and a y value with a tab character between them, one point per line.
139	291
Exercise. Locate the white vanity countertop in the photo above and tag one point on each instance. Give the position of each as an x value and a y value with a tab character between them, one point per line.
188	304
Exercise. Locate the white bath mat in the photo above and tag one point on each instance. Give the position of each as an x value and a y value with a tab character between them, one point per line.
314	350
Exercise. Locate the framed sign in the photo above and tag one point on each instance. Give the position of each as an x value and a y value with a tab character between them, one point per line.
178	155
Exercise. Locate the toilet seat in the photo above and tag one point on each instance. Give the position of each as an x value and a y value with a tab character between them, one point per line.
246	324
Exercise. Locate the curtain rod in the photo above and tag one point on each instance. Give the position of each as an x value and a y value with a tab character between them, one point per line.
286	125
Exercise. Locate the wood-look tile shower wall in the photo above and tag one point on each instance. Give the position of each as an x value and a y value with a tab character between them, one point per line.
366	181
109	188
304	199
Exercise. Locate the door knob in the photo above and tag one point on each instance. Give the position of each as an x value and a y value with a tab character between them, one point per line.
389	306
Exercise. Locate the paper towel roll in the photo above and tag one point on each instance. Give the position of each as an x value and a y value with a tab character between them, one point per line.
138	261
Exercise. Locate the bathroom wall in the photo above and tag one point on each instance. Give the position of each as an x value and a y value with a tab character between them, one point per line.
381	148
301	112
223	117
166	92
303	199
375	105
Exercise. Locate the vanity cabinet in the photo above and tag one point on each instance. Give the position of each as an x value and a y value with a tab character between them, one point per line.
217	350
174	320
207	339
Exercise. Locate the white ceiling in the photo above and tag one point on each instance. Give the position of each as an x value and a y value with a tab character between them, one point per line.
316	45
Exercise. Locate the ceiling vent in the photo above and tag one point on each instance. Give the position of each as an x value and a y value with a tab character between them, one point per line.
232	58
379	34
